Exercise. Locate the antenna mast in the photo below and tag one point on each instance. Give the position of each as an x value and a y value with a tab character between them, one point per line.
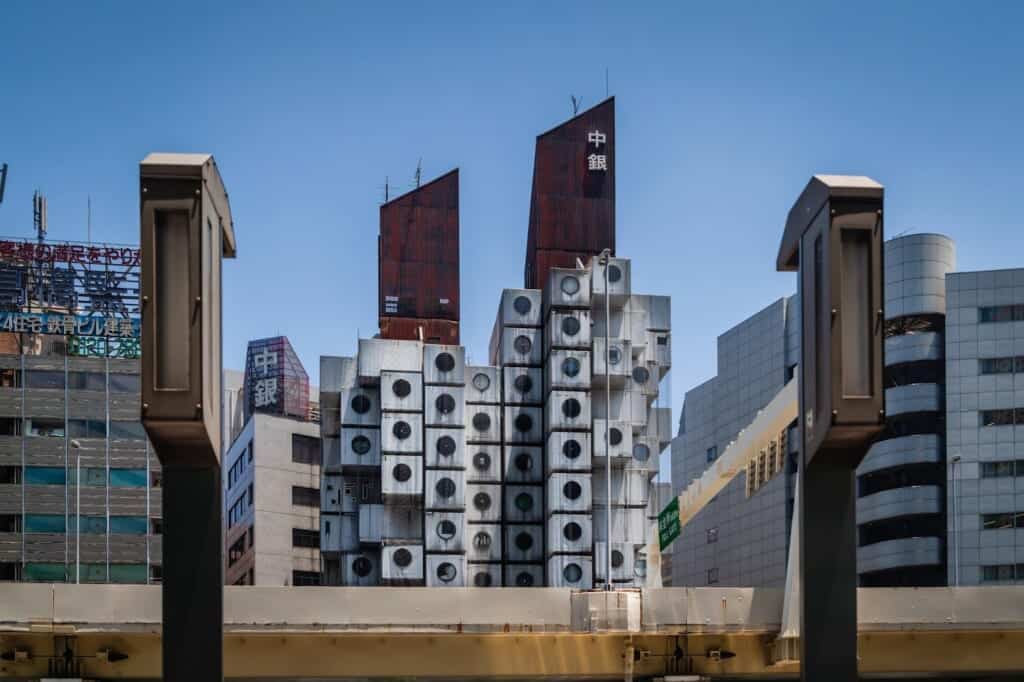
3	181
419	171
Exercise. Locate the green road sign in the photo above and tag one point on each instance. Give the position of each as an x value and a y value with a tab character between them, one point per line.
668	524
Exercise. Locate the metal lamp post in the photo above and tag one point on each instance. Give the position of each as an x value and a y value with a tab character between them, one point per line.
603	259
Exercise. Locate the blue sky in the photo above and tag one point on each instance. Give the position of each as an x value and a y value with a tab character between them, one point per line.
724	111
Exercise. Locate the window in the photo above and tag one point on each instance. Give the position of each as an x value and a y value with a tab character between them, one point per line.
1004	469
711	454
44	378
1000	417
915	324
45	523
10	378
156	526
1001	313
917	372
49	428
125	383
712	535
10	426
1007	365
10	523
10	474
712	576
305	538
127	478
45	476
92	476
251	449
156	479
128	525
87	381
87	428
1002	520
95	525
305	578
128	573
9	571
305	449
901	477
305	497
252	496
129	430
252	533
236	550
1002	573
44	573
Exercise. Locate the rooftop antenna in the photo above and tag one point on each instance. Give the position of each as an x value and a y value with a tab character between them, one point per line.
385	189
3	181
39	215
419	172
575	104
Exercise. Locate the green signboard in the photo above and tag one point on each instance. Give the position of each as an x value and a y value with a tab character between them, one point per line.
668	524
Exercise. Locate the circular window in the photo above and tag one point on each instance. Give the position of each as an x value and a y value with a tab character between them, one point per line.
572	490
445	404
570	367
524	423
570	285
482	501
361	445
522	305
614	273
401	430
360	404
571	408
483	579
571	448
446	572
482	540
641	375
401	472
614	355
523	383
572	531
481	381
572	573
446	529
524	541
570	326
614	436
481	421
617	558
401	388
524	461
444	362
446	446
523	345
445	488
524	502
641	452
361	566
524	579
402	557
482	461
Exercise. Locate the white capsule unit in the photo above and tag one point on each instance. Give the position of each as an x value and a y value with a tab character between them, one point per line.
524	575
483	424
360	406
445	489
444	531
524	504
330	454
575	571
569	493
483	463
483	542
444	406
659	425
401	433
521	346
617	442
483	502
643	378
371	524
567	370
569	329
524	543
402	564
628	406
523	386
660	313
349	493
484	575
645	453
401	392
661	355
618	280
360	569
570	534
379	355
568	411
401	477
524	464
520	308
620	361
568	451
524	425
629	487
446	570
629	524
360	448
444	448
483	384
567	288
622	561
330	493
330	534
444	365
400	524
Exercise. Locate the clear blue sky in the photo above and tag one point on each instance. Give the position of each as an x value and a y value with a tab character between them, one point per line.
724	111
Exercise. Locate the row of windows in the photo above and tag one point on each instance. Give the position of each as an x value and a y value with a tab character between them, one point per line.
58	523
306	449
1002	573
305	538
235	472
770	461
305	578
1005	469
74	428
305	497
1001	313
915	324
241	506
1006	417
1009	365
929	525
88	573
1002	520
73	380
901	477
917	372
91	476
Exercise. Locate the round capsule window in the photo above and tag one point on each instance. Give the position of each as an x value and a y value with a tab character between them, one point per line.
401	388
524	579
481	421
401	430
361	566
360	404
446	572
483	579
481	461
444	403
570	285
571	448
522	305
572	531
482	501
361	445
570	326
401	472
524	502
482	540
572	573
641	452
446	446
523	383
617	558
571	408
614	273
614	436
570	367
522	344
614	355
524	541
641	375
402	557
446	529
481	381
523	422
445	488
524	461
444	362
572	490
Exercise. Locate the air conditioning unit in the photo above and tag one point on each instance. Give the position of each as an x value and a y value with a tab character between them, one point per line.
524	575
629	524
524	504
618	281
446	570
570	534
483	542
339	533
570	493
360	569
570	329
444	405
402	564
401	392
524	464
401	433
444	531
520	308
629	487
379	355
524	386
622	561
524	425
445	490
567	288
568	451
330	493
567	370
401	524
575	571
444	365
619	444
483	384
359	406
483	463
521	346
483	424
445	448
401	477
360	448
568	410
484	575
620	362
330	454
524	543
483	502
